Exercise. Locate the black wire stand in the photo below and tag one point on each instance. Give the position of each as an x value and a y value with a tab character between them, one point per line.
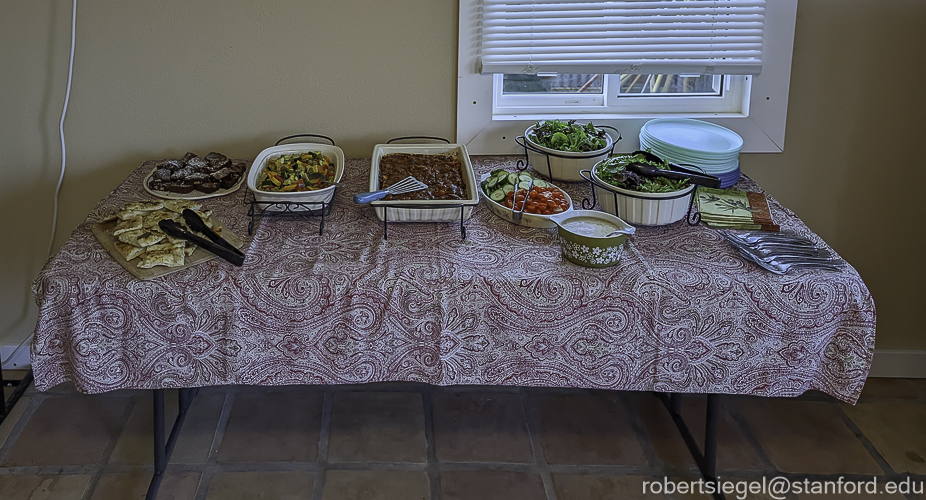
444	206
288	210
461	206
522	141
291	209
692	216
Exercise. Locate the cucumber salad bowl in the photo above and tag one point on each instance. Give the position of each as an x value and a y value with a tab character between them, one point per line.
504	192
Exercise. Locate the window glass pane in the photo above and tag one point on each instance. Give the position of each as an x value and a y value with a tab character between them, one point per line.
667	85
553	84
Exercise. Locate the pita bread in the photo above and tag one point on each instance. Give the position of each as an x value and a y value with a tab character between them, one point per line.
138	235
129	252
141	238
150	221
126	225
170	258
139	208
162	247
179	205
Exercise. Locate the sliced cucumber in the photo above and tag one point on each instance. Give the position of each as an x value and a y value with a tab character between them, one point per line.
508	188
512	178
541	183
525	185
524	177
491	182
498	195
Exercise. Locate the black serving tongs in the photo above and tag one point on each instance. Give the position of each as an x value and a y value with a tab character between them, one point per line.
677	172
196	223
221	247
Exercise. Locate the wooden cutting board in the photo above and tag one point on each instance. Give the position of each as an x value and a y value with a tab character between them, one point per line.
104	233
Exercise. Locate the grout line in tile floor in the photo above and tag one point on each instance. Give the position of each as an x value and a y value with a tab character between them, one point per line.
209	468
103	460
433	470
639	428
743	425
875	454
321	461
532	419
18	427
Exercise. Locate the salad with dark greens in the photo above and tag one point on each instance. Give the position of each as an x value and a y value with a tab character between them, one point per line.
568	136
614	171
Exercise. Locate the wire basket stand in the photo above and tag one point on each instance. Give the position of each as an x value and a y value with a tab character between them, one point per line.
691	216
522	141
386	206
291	209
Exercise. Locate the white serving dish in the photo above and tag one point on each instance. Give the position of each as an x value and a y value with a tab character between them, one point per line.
527	219
408	211
315	199
642	209
564	165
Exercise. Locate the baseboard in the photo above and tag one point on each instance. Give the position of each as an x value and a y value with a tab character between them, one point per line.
898	363
22	361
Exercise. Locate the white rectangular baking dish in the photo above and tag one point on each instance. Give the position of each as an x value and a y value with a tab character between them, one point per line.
313	200
413	210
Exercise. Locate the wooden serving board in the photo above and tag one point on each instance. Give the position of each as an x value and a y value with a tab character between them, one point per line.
104	233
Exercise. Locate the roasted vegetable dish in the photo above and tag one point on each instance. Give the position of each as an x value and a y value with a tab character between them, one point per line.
296	172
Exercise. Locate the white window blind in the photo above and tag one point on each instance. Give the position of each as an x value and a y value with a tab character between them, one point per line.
625	36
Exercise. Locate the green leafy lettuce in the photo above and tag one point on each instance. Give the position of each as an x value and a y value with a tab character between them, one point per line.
568	136
614	172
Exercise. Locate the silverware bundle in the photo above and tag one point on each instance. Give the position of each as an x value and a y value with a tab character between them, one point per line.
782	252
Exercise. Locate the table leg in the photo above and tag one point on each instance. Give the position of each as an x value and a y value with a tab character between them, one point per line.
706	459
6	405
162	449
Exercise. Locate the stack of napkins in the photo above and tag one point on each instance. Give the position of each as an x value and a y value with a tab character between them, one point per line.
724	208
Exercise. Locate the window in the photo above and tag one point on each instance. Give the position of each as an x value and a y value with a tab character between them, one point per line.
600	94
536	83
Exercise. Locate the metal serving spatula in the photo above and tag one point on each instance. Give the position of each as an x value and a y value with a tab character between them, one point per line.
406	185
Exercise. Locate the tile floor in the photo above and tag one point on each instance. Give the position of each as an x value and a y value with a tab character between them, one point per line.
410	441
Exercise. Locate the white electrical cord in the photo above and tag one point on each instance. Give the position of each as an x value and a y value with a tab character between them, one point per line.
64	111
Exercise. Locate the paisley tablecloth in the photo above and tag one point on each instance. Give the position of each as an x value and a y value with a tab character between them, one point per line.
681	312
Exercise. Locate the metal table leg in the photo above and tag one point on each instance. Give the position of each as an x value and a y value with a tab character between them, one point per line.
162	450
21	385
706	459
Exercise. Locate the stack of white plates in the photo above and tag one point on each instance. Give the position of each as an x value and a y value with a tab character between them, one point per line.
712	148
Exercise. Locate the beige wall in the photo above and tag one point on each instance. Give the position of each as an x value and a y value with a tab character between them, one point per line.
157	79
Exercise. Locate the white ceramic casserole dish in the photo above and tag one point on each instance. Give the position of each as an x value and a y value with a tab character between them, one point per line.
642	209
563	165
425	210
313	199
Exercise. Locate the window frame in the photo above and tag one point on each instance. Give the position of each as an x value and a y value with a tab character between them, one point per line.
508	107
761	122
